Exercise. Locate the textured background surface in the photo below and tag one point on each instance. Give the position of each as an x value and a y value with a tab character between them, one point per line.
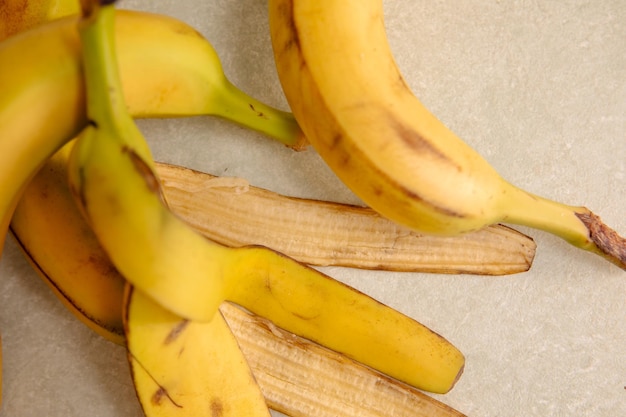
539	89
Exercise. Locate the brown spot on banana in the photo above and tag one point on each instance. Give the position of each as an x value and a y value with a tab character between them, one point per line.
158	396
161	392
176	332
285	12
146	172
217	409
418	143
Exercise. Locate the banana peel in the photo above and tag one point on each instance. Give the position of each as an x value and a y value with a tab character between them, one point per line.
187	368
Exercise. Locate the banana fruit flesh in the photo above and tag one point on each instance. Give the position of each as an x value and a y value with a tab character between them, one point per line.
346	91
42	105
191	276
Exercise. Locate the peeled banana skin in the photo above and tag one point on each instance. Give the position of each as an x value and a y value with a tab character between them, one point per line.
60	245
346	91
191	276
64	252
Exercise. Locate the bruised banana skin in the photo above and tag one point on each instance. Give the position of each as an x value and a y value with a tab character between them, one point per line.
19	15
191	276
346	91
42	106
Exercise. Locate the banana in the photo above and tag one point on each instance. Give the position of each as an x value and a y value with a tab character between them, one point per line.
61	247
42	105
20	15
346	91
112	176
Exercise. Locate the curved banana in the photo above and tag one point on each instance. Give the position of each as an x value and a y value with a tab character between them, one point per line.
343	86
42	105
20	15
112	176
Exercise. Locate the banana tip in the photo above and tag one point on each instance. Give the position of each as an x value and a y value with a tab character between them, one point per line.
610	244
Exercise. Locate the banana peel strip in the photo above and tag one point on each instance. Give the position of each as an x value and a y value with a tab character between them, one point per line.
301	379
237	362
232	212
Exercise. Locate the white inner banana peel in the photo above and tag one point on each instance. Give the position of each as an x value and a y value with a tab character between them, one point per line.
232	212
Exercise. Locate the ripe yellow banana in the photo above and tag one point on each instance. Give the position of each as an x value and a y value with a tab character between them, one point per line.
19	15
112	176
42	104
343	86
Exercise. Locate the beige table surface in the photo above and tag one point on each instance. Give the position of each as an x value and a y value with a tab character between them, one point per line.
539	88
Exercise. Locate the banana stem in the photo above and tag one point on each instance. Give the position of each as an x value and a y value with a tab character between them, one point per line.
577	225
239	107
105	100
105	103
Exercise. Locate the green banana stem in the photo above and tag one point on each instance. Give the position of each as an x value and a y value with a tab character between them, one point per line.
105	102
235	105
576	225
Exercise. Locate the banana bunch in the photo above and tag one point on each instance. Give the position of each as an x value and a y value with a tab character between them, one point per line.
162	280
346	91
179	279
186	81
113	179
